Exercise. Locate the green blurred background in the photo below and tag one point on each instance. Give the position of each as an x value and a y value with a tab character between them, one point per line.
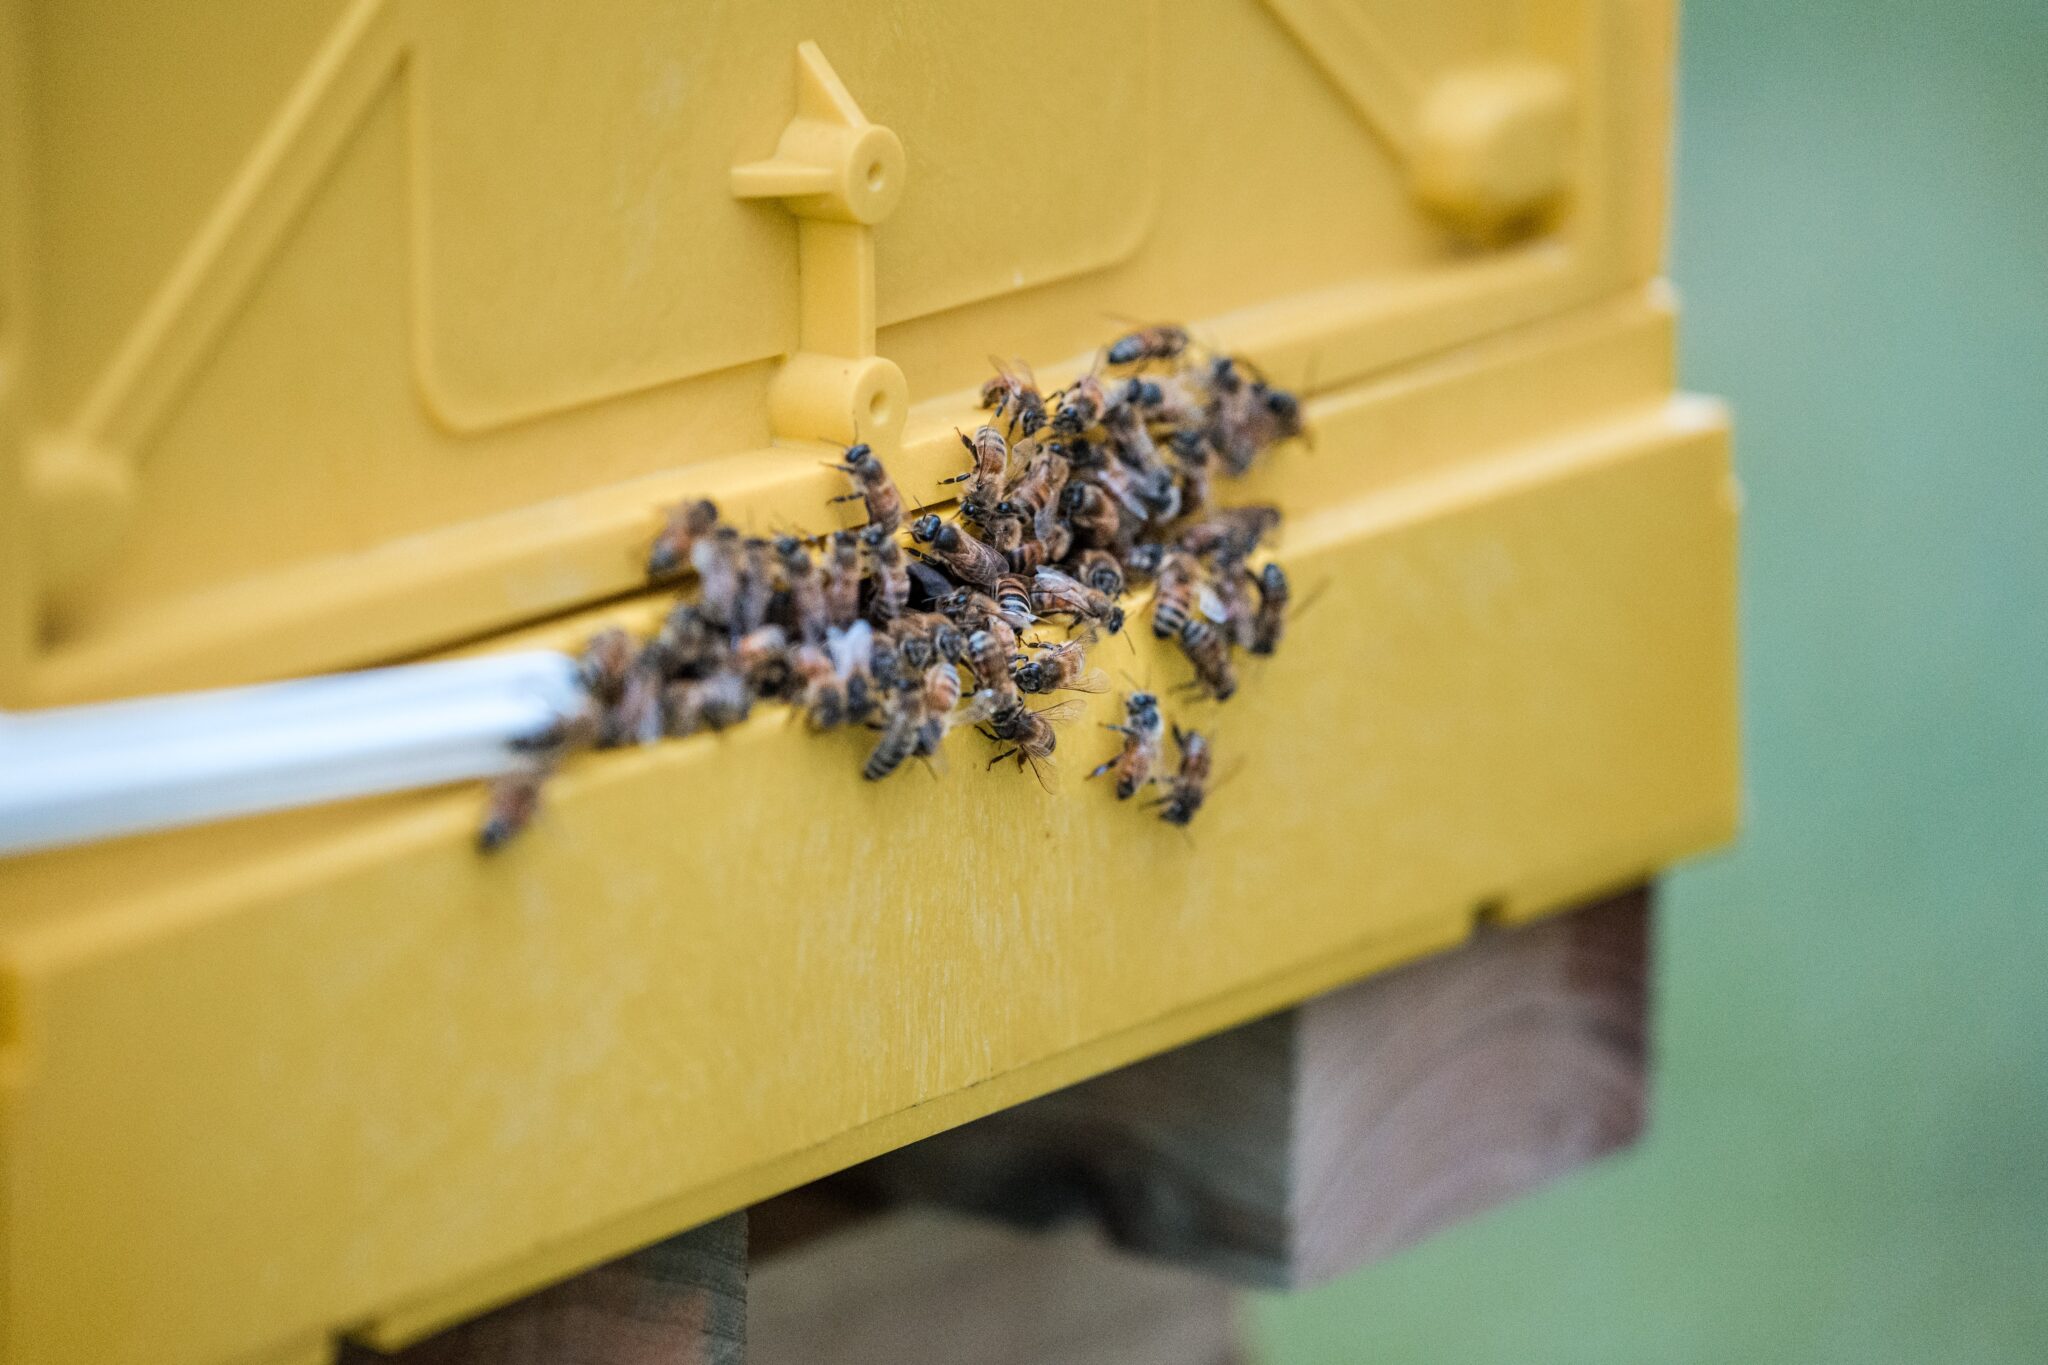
1849	1154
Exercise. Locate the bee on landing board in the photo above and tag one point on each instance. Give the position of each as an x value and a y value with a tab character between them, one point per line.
1175	594
841	579
1100	570
966	557
712	703
809	613
1208	650
1014	396
891	574
1030	734
1055	594
1190	786
991	653
1059	668
514	800
1269	623
1143	730
872	486
1163	342
688	523
1081	402
904	716
986	477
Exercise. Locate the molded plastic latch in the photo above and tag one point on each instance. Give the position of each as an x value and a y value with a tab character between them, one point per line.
840	175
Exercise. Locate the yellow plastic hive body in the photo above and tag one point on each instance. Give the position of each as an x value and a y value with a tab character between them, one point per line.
340	331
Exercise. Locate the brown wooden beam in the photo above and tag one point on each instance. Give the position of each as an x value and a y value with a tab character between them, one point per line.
678	1302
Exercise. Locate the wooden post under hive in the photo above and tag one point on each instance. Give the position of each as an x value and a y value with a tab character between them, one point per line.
679	1302
1290	1150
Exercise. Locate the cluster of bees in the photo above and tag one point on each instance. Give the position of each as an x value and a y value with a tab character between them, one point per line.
1070	500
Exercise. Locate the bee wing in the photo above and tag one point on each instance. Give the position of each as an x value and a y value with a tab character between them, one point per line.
1022	370
1063	713
1212	605
974	710
1043	769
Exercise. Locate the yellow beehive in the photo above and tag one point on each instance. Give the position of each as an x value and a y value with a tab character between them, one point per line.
340	331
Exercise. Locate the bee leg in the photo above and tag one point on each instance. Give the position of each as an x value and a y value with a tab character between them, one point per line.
850	497
1000	757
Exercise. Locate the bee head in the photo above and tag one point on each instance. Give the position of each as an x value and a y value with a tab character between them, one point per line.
860	456
925	529
1125	350
1116	620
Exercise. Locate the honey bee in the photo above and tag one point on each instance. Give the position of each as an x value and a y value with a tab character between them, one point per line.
688	522
719	560
1281	419
1143	731
968	558
1237	612
842	580
1246	418
991	468
712	703
967	607
1129	438
809	614
820	692
1271	621
1081	403
514	800
1092	513
1142	560
1055	594
636	717
1173	600
1119	482
941	686
1100	570
602	665
1013	394
1208	649
1167	401
1030	734
1231	531
892	577
1190	786
1191	454
756	591
1060	668
1014	601
873	487
1034	496
688	644
916	637
1006	537
1148	343
904	718
990	652
761	656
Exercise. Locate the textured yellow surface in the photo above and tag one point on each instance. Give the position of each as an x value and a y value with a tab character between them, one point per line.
418	376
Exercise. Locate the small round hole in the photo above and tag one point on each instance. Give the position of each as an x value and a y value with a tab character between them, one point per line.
875	175
878	406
